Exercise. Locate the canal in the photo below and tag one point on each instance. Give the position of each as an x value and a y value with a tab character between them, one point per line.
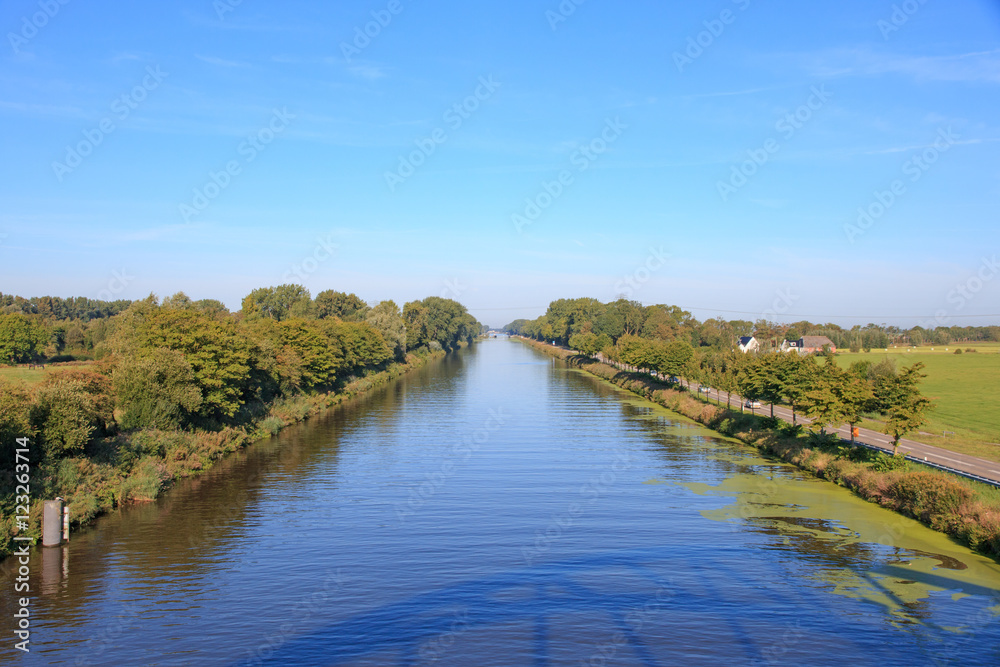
500	508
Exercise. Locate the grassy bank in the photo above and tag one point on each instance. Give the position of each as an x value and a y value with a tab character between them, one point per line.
139	466
966	510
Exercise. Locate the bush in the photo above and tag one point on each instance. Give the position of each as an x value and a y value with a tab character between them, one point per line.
958	351
272	425
925	495
65	417
887	463
156	389
15	421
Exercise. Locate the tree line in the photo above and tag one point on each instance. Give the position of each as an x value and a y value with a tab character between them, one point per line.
567	317
184	364
666	340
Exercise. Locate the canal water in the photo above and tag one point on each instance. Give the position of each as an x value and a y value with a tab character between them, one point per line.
500	508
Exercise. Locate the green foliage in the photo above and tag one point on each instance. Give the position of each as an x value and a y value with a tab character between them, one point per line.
65	417
348	307
277	303
156	389
887	463
388	320
21	337
361	344
222	357
437	320
907	409
15	421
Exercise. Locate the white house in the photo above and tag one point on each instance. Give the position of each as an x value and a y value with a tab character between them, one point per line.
748	344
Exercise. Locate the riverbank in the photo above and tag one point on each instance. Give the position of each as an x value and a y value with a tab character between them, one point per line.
138	466
967	511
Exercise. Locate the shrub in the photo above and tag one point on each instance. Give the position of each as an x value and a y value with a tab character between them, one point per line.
65	417
958	351
887	463
924	495
15	421
156	389
272	425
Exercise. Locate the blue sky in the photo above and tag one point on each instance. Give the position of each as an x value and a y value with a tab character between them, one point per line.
116	117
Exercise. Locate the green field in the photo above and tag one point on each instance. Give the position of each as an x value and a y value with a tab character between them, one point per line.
36	375
965	389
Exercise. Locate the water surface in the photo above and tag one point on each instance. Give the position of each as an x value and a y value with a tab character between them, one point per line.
499	508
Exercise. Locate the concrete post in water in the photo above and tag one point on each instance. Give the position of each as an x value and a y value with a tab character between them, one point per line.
65	524
52	523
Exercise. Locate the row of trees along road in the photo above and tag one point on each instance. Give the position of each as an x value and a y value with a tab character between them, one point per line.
668	340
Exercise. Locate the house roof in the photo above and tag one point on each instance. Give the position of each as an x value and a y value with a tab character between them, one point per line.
745	340
816	341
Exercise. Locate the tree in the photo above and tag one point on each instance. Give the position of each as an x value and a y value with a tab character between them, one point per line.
823	401
387	319
155	389
225	360
21	336
907	407
437	320
348	307
361	345
794	376
277	303
676	356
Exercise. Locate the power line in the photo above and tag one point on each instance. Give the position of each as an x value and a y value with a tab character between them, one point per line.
753	312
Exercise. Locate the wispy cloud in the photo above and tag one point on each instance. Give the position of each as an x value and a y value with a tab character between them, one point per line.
976	66
212	60
370	72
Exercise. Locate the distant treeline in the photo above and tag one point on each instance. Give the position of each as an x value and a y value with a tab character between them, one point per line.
185	364
56	308
567	317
